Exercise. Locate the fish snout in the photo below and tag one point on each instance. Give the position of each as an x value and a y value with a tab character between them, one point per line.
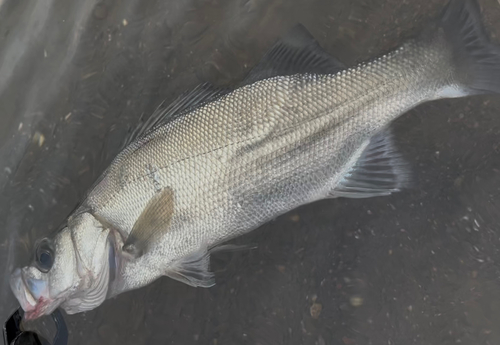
23	295
31	293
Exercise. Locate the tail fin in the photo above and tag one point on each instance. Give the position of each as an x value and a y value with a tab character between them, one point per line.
477	60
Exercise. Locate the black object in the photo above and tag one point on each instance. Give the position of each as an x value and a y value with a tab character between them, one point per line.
14	335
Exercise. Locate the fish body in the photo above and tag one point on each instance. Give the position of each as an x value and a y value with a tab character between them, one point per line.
218	164
257	152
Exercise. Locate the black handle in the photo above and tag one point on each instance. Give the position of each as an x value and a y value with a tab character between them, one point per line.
14	335
61	337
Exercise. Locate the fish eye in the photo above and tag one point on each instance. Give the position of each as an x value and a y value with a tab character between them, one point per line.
44	256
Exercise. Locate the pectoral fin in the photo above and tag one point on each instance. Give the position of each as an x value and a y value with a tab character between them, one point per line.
194	269
154	220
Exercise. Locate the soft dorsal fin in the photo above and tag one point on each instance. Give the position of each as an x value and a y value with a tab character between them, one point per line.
154	220
380	170
297	52
167	112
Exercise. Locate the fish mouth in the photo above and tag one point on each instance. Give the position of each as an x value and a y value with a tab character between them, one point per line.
33	307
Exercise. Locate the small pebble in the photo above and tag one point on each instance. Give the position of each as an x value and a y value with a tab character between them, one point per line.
356	301
348	341
107	333
39	138
315	310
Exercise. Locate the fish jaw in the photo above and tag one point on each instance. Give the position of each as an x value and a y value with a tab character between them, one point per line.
35	301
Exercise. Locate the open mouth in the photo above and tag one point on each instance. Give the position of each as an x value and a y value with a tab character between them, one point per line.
32	306
40	309
21	291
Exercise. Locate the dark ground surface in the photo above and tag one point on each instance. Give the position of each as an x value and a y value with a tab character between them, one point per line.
419	267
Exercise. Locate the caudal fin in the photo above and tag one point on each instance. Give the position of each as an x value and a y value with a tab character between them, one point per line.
476	59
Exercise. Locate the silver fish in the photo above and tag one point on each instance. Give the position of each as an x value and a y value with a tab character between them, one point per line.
219	163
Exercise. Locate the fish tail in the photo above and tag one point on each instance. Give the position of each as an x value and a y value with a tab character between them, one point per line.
475	60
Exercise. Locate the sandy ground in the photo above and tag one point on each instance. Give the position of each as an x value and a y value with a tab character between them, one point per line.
419	267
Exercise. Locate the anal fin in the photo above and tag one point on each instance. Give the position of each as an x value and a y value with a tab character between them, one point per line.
380	170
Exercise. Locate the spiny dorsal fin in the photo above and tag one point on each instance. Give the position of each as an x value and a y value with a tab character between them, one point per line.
153	221
297	52
380	170
167	112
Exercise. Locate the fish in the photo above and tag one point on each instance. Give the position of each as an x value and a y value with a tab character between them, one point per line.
218	163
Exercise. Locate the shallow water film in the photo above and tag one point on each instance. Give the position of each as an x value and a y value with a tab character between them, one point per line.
419	267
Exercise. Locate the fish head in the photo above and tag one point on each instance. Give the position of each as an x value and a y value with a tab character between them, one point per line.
71	270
